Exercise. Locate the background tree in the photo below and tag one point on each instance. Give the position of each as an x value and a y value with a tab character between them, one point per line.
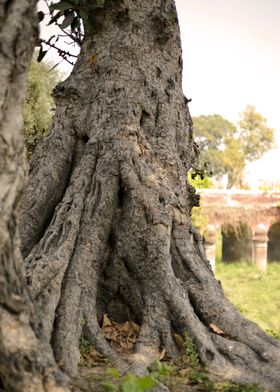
233	160
38	103
212	132
256	135
26	361
228	148
106	218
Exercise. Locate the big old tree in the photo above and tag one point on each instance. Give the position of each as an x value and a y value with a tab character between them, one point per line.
106	217
26	362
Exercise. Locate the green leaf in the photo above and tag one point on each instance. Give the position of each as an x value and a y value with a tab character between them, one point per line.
67	20
110	387
146	383
62	6
114	373
129	384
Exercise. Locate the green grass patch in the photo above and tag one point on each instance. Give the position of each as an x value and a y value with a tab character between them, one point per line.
254	293
85	347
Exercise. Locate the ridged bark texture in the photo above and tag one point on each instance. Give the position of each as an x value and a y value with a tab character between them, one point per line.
26	363
106	218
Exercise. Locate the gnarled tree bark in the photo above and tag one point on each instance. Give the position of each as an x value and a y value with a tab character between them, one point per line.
106	218
26	362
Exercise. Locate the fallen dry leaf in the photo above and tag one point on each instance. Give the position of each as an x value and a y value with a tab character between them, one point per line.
216	329
184	372
162	354
106	321
126	327
96	356
179	341
135	327
124	335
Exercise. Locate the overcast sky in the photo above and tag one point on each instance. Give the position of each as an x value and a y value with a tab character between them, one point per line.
231	58
231	53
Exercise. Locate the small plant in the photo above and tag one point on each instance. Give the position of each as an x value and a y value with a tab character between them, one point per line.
190	350
128	383
85	347
201	378
132	383
163	369
163	373
241	388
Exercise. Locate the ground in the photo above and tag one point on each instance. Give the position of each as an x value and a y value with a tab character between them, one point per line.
181	375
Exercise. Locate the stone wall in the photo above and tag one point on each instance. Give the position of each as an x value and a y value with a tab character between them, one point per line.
257	210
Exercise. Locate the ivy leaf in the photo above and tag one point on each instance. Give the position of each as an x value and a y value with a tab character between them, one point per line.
67	20
62	6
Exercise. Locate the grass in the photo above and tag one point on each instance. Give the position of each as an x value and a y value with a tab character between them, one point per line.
255	294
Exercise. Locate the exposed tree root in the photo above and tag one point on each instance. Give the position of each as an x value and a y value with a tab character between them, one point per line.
176	288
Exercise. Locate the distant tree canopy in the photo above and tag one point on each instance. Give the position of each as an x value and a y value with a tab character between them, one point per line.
38	104
256	135
228	148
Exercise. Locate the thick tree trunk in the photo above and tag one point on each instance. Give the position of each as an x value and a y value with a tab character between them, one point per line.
26	364
105	221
